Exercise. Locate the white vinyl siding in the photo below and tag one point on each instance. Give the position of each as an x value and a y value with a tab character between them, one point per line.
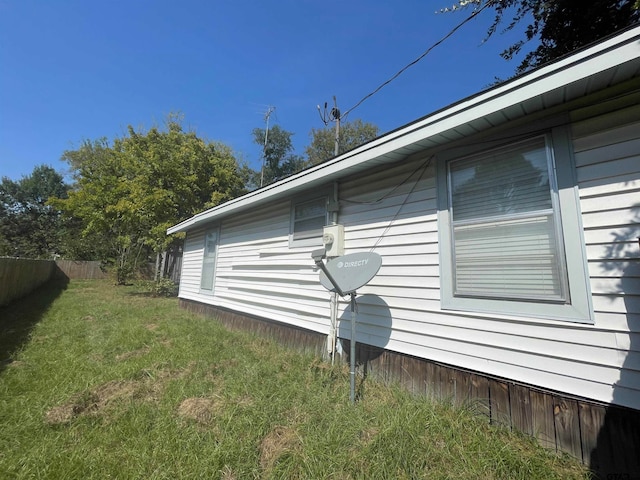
192	265
257	273
393	213
400	309
607	151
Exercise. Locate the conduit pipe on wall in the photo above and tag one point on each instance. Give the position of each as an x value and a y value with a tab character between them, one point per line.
333	304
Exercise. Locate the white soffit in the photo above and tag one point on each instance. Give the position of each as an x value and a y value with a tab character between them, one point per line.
607	63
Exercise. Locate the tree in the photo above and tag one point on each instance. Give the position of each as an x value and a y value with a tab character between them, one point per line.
279	161
29	226
560	26
352	135
129	192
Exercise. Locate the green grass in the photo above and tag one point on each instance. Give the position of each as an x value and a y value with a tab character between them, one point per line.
105	382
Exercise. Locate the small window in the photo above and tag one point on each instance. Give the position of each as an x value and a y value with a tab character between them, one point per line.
502	234
209	261
308	218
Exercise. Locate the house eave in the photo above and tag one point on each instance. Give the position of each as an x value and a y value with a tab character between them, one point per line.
587	71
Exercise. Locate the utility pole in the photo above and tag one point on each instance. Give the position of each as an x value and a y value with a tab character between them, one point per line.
332	116
266	137
335	114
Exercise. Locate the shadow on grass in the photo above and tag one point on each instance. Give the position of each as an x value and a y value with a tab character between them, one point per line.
19	317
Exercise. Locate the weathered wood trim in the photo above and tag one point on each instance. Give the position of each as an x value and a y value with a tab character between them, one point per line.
567	426
604	437
521	410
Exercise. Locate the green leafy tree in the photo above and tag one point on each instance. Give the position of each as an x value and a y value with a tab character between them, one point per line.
279	160
352	135
129	192
29	226
559	26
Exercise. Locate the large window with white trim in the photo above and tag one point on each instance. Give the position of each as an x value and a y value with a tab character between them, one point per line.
503	238
505	225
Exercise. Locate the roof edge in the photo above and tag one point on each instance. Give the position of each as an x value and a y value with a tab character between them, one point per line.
583	63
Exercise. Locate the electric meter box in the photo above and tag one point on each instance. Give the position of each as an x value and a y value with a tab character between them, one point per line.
333	240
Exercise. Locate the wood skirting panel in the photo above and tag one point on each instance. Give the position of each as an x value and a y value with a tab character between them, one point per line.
298	338
605	437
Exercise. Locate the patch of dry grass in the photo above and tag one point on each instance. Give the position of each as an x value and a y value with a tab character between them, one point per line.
280	441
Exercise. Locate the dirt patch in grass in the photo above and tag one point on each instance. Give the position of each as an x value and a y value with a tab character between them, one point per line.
164	373
368	435
92	402
11	363
203	410
147	387
133	354
40	339
276	443
227	473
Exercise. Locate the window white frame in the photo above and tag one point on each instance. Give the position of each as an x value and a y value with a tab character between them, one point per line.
309	214
574	302
209	261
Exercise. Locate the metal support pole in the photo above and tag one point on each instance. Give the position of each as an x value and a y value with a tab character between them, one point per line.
322	267
352	354
333	331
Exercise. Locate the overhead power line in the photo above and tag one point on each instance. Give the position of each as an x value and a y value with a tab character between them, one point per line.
426	52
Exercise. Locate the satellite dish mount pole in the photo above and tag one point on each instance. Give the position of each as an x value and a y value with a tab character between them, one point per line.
352	352
344	275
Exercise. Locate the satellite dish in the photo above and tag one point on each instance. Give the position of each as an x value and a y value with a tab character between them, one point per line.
350	272
345	275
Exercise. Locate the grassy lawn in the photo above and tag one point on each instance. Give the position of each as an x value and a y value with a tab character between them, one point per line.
104	382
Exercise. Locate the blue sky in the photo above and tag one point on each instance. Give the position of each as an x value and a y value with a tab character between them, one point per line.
74	70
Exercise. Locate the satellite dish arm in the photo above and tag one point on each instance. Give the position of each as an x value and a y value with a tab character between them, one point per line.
318	256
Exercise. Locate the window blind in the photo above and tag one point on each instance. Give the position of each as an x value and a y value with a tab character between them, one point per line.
505	227
309	218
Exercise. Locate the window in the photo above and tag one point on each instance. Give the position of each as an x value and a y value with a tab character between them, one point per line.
209	261
503	236
308	218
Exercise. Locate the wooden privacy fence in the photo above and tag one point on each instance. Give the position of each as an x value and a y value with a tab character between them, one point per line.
80	270
19	276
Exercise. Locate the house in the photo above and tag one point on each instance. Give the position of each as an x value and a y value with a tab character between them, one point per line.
508	227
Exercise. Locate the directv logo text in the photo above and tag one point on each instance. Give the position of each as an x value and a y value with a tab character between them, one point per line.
358	263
